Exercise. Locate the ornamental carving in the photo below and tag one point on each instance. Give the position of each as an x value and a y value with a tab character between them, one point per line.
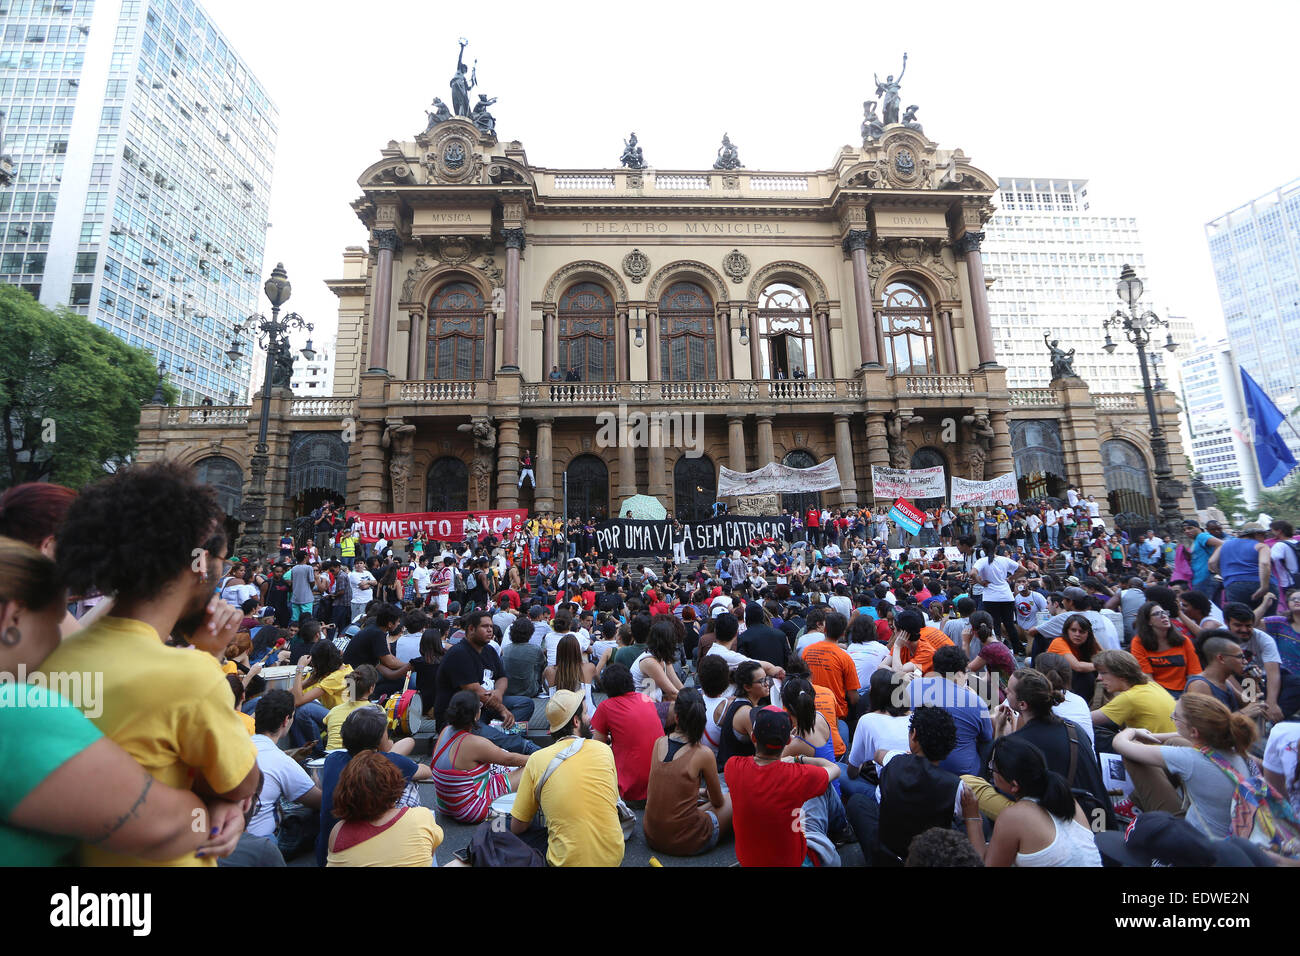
636	265
489	268
455	249
580	271
422	265
453	158
921	254
736	265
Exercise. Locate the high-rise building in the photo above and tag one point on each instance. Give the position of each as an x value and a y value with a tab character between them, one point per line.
1215	418
314	378
1055	259
143	150
1256	253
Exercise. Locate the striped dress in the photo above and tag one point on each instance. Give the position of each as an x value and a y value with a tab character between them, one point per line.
466	795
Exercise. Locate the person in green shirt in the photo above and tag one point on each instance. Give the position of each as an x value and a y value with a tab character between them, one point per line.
51	752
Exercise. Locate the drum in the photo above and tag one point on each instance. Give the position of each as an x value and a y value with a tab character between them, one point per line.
279	677
502	805
314	767
405	712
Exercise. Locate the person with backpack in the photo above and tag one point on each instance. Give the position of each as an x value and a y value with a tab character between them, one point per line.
1210	753
1285	553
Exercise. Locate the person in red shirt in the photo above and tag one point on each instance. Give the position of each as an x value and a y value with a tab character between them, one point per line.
630	724
768	793
812	522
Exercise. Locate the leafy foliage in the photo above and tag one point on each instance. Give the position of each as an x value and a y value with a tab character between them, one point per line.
1282	501
1230	502
70	394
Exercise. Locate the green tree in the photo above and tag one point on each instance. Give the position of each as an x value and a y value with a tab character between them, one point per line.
1230	502
1282	501
70	394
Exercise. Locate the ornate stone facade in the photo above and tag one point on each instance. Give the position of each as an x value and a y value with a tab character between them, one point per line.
835	312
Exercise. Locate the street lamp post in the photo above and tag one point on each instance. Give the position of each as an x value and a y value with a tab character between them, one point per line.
158	397
1138	328
273	336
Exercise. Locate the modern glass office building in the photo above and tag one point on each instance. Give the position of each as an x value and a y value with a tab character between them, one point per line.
143	150
1256	253
1055	259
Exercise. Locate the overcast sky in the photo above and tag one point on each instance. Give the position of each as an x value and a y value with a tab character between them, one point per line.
1176	113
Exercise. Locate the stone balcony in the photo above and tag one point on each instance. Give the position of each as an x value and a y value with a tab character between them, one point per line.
226	416
737	396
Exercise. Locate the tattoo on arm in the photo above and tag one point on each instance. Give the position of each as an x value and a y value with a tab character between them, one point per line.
130	814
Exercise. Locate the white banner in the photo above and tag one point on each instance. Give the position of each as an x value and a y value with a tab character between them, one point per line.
1002	488
925	554
775	478
894	483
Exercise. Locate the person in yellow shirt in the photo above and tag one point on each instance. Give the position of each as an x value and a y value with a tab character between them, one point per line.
362	681
372	831
580	798
1137	701
151	537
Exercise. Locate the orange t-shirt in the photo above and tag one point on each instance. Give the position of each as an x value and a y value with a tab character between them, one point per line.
824	704
1063	647
930	641
831	667
1169	668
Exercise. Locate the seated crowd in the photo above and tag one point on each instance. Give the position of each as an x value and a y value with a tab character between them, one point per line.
967	708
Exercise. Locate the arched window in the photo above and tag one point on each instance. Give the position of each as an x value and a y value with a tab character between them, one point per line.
587	488
695	488
784	326
446	487
586	317
930	458
688	349
907	326
798	503
1128	480
226	478
456	334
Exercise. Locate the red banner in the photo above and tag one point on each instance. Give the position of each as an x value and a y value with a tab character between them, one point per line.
439	525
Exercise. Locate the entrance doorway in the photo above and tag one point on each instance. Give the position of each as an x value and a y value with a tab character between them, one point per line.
588	488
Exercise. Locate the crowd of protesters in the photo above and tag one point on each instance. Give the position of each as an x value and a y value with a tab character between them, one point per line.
947	699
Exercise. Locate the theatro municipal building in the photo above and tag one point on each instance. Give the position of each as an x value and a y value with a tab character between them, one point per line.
503	306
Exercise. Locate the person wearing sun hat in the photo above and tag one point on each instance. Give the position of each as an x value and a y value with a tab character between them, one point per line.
579	797
1158	838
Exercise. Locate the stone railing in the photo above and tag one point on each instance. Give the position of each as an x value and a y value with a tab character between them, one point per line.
1032	397
1116	401
207	415
322	407
437	391
786	390
784	184
590	181
734	391
937	385
681	182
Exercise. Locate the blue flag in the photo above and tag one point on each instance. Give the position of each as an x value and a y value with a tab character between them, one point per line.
1274	457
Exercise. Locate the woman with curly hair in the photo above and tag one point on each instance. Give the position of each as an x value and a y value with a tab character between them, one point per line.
372	831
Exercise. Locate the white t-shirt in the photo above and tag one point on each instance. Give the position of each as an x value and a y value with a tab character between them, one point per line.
361	595
281	777
994	574
731	657
553	639
1263	648
866	658
408	647
810	638
1280	757
1284	563
237	592
878	732
1072	497
1094	509
1102	629
1075	709
421	577
841	603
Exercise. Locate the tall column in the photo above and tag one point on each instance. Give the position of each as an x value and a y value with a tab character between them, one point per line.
825	364
736	443
508	463
510	335
968	246
544	468
620	348
722	325
652	343
489	345
548	344
382	299
1001	459
949	341
844	459
371	496
877	444
626	470
414	347
755	354
766	449
659	473
855	244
